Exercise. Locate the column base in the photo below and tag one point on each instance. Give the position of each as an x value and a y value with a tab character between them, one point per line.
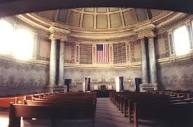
144	87
50	90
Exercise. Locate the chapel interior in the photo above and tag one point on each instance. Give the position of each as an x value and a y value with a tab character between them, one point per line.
120	64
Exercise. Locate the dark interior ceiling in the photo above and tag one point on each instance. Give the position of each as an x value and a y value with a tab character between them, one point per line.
12	7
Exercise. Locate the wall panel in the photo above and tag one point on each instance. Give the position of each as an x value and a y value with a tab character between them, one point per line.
85	53
135	47
119	50
22	78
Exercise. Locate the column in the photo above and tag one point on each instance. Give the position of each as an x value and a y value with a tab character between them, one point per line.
53	62
57	57
144	62
152	61
61	64
149	70
63	39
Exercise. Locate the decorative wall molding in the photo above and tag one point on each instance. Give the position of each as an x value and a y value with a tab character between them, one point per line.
146	31
130	65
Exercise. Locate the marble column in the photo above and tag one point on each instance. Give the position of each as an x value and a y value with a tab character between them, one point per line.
144	62
57	62
149	72
152	61
53	62
61	64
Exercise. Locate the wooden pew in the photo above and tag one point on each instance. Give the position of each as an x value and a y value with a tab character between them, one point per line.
153	105
6	101
66	107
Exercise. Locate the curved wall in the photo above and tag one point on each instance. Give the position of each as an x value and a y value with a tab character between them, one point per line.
19	77
22	78
174	72
177	75
102	76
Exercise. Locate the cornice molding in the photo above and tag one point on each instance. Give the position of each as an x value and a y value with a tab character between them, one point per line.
106	66
32	22
170	19
102	36
57	33
146	31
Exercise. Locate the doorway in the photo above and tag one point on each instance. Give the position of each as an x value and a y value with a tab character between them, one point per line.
67	82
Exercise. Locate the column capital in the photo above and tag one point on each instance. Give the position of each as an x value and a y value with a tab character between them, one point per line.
146	31
57	33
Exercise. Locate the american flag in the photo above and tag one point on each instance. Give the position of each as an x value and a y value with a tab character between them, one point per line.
102	53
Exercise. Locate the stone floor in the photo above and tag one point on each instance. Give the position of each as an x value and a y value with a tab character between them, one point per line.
107	115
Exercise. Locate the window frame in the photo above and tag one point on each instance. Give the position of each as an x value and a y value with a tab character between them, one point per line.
173	44
15	25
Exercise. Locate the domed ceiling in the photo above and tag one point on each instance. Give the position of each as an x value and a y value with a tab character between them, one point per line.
99	19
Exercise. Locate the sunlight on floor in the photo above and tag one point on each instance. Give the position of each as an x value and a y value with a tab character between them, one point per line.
4	120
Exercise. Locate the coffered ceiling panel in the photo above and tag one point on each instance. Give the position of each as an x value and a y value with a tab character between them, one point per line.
116	20
129	17
101	10
102	22
74	19
99	18
113	9
89	9
88	21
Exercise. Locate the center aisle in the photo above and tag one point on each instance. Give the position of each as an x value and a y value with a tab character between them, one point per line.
107	115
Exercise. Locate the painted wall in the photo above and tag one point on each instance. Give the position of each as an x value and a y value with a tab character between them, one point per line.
102	77
22	78
176	75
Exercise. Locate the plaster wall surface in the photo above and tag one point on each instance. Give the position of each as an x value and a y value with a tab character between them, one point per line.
176	75
22	78
102	77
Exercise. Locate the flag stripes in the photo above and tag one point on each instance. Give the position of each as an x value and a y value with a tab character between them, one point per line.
102	53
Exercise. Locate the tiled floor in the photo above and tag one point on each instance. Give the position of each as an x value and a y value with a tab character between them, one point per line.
4	120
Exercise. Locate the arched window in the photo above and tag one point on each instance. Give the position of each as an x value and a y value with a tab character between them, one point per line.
6	32
181	41
18	43
23	44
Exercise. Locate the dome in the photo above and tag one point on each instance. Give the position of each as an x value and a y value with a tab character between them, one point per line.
99	19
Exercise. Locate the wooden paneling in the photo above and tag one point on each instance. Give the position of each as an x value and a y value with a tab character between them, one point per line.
119	50
85	53
69	53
